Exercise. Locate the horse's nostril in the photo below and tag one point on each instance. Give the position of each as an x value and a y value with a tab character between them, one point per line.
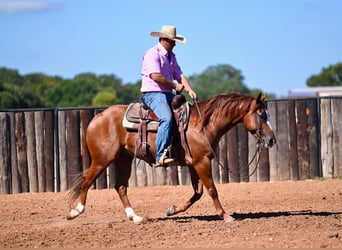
272	141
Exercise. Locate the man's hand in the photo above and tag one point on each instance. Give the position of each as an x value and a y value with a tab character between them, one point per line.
192	94
179	88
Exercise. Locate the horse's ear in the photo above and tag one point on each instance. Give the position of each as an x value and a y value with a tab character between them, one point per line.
259	102
261	97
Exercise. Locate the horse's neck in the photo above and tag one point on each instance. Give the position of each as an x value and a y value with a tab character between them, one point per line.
222	124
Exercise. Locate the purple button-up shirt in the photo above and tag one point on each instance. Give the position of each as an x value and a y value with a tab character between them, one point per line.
156	60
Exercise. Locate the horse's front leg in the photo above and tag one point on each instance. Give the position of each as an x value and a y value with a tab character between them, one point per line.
197	186
207	179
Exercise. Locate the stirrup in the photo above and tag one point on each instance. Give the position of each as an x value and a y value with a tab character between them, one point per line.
165	160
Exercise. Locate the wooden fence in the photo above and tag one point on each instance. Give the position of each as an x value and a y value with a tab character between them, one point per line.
43	150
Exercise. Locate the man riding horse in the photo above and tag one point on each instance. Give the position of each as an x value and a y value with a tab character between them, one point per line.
159	71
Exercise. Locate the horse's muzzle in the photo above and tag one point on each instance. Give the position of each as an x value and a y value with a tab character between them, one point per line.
267	142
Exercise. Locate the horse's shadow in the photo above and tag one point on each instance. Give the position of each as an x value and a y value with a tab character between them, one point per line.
244	216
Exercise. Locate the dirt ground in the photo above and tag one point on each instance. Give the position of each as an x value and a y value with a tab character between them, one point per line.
304	214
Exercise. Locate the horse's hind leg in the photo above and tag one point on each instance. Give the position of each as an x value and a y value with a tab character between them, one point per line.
197	186
81	187
123	173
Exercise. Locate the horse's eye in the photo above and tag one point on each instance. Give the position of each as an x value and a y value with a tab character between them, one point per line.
262	114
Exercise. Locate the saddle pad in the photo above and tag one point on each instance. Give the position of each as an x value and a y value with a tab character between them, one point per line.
131	119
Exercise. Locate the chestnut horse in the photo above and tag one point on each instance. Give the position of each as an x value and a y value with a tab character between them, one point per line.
109	142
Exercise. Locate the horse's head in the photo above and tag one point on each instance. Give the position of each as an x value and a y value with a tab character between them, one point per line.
257	122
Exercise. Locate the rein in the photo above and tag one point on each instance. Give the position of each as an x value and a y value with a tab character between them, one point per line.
213	151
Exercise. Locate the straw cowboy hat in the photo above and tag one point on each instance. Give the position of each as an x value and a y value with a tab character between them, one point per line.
168	31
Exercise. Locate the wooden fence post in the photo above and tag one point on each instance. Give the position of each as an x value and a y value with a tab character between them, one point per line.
112	175
16	187
297	131
326	139
5	157
133	179
39	133
172	176
283	171
49	151
142	176
336	111
31	151
73	153
312	128
21	146
303	132
264	165
273	152
160	175
62	152
184	175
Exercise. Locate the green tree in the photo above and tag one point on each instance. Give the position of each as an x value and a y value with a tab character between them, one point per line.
39	84
81	90
85	89
110	82
330	76
8	100
222	78
70	93
14	92
129	93
10	76
105	98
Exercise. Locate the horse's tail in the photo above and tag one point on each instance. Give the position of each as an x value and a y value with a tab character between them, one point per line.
75	190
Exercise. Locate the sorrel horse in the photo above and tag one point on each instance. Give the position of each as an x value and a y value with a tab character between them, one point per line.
109	142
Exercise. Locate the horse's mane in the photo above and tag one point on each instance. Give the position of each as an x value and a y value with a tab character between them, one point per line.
224	104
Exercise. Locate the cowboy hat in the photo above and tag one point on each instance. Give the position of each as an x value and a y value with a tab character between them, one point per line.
169	32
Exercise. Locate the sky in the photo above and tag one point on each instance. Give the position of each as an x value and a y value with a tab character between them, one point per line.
276	44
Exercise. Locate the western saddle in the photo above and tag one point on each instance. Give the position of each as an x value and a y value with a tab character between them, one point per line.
139	118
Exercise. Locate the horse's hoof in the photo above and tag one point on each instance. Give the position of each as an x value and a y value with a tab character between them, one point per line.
137	219
72	214
229	219
171	210
75	212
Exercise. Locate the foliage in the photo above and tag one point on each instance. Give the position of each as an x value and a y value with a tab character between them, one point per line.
218	79
38	90
330	76
14	93
81	90
129	93
104	98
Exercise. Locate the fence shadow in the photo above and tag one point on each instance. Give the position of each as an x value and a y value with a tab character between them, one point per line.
244	216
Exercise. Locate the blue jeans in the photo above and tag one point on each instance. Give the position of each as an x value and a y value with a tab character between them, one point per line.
159	103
